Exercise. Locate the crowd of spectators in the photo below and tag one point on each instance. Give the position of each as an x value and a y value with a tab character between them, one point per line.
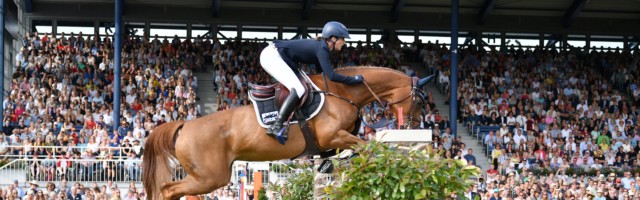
564	124
63	190
59	107
567	118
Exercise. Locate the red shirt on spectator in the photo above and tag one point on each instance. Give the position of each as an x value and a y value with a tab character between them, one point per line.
90	124
492	171
74	135
568	107
137	106
529	123
504	106
60	47
232	95
19	111
541	154
14	117
505	94
169	103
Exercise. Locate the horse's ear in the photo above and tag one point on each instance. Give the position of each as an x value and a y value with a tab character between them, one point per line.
425	80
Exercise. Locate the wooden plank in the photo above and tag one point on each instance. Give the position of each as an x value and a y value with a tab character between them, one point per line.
413	135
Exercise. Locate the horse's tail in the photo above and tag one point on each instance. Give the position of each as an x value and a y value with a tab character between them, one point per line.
159	148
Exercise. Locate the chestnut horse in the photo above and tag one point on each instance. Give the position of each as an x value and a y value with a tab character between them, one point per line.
207	146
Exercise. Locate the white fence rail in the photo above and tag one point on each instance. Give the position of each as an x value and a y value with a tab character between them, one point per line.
58	151
81	170
122	171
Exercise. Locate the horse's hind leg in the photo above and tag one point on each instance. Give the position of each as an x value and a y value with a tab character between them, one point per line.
204	178
191	185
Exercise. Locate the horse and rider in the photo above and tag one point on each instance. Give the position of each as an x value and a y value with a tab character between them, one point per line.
281	59
206	147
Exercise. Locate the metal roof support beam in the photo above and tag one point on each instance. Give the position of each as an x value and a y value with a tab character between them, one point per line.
96	28
28	6
280	30
215	8
486	8
553	40
306	8
573	12
634	42
395	10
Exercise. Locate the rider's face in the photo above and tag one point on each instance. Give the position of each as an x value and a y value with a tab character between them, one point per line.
339	43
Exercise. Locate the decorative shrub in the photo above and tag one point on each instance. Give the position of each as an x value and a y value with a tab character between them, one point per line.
383	172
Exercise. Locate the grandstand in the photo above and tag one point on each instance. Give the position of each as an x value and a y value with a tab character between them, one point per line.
553	104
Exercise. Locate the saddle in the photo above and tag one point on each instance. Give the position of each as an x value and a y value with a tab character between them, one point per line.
267	100
280	92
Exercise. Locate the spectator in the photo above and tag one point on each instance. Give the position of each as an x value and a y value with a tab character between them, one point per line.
471	159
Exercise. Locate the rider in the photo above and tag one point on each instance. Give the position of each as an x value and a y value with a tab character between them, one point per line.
281	59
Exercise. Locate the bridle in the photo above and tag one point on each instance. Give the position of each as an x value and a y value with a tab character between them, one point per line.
416	94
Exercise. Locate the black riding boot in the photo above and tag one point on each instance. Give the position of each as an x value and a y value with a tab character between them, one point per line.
285	111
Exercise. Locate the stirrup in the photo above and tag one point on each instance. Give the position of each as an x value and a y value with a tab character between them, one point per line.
271	130
283	135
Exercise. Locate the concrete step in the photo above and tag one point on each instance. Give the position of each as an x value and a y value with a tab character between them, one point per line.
471	142
440	98
206	92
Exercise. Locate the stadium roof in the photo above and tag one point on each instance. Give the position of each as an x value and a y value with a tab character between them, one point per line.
606	17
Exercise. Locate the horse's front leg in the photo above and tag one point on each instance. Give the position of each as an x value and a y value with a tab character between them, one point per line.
344	140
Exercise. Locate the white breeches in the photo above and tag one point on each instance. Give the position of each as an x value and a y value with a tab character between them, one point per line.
272	62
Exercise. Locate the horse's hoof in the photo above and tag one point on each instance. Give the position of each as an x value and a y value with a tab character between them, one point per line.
282	136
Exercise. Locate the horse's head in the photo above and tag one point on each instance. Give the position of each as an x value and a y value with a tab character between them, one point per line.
412	101
393	88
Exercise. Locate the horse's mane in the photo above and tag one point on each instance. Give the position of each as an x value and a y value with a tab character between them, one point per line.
370	67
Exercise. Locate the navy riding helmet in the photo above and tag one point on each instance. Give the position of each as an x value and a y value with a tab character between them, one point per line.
335	29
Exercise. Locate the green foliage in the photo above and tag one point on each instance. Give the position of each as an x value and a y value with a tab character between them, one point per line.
299	186
262	194
382	172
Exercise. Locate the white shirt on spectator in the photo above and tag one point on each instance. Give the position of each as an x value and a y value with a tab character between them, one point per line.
519	138
238	79
107	118
93	147
610	159
511	120
504	131
443	78
571	146
3	145
522	120
131	97
584	145
566	132
139	130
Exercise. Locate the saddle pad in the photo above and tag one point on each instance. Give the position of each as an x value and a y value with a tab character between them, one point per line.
267	110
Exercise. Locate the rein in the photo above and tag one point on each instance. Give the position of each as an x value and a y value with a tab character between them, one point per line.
374	94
